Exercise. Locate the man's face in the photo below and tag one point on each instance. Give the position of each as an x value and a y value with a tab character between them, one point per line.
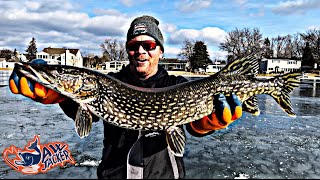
144	55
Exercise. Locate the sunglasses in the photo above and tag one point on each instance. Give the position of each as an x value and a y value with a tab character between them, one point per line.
147	45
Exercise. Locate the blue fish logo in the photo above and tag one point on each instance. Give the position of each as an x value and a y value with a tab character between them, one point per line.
28	158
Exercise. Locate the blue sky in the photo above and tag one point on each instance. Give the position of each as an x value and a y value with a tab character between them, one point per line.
85	24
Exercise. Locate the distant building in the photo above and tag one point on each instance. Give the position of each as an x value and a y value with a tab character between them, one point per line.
215	67
5	64
169	64
115	65
22	57
276	66
173	64
63	56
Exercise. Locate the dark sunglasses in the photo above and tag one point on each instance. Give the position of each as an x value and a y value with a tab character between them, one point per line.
147	45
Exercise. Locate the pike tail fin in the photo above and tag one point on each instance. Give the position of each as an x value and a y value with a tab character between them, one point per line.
287	83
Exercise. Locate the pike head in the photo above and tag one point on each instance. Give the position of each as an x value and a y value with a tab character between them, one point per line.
78	84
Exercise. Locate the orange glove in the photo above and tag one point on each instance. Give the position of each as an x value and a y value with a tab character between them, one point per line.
227	111
20	84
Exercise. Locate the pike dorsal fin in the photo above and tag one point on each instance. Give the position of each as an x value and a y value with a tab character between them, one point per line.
248	66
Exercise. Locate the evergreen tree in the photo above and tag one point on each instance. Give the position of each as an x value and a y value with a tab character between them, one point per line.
307	56
32	49
200	56
268	53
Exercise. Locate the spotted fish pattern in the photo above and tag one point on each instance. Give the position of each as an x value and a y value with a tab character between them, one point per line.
157	109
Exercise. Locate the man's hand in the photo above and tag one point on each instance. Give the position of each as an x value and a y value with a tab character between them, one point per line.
228	109
20	84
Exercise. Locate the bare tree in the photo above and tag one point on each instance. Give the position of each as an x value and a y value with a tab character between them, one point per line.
113	50
240	43
313	38
6	53
297	46
283	46
187	49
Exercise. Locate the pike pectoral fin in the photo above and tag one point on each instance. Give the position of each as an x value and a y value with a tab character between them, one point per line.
176	140
251	106
83	121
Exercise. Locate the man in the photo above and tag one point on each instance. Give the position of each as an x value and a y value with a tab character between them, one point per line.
138	154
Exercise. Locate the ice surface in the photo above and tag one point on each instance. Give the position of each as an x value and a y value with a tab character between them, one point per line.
272	145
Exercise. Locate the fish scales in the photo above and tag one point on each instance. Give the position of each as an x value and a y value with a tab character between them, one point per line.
173	110
177	105
157	109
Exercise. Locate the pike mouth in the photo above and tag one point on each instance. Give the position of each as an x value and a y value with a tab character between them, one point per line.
31	73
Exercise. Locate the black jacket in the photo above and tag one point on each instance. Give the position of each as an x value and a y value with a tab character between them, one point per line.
150	152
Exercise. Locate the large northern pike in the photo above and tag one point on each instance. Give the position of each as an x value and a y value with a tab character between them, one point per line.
157	109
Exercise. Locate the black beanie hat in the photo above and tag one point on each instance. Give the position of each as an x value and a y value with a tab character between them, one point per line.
147	25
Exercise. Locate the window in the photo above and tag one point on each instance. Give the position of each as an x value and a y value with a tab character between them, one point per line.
112	65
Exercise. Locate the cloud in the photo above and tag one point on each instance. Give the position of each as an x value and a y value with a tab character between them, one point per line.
316	27
171	52
217	55
295	7
169	28
210	35
240	2
127	3
130	3
60	26
48	5
106	25
188	6
114	12
33	5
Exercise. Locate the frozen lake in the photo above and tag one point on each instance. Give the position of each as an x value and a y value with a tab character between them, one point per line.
269	146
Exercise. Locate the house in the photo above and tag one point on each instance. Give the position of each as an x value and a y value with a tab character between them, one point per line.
268	66
22	57
215	67
172	64
167	63
64	56
5	64
115	65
